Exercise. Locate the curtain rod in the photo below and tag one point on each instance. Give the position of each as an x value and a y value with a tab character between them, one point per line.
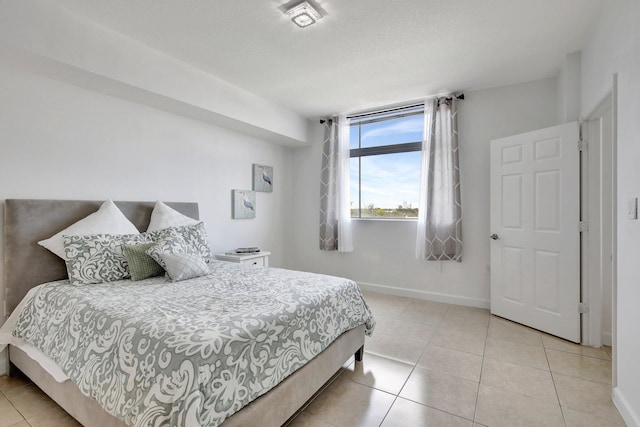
459	96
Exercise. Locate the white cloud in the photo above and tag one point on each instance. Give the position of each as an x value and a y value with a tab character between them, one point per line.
413	125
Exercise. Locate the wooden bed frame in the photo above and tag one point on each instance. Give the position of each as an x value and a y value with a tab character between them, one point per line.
26	264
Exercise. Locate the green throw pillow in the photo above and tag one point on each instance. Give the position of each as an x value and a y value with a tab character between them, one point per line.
141	265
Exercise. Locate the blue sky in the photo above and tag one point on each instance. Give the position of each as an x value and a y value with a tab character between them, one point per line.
387	180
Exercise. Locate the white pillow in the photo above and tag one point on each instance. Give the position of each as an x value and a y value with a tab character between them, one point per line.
164	217
106	220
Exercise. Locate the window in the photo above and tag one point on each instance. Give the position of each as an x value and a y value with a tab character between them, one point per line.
386	153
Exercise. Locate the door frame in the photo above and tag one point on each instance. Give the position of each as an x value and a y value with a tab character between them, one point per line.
591	244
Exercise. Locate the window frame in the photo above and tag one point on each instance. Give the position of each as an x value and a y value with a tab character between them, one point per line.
407	147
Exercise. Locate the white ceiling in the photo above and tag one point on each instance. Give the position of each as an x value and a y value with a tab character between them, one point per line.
363	53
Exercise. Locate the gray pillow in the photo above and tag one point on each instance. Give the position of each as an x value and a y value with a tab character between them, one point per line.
140	264
184	266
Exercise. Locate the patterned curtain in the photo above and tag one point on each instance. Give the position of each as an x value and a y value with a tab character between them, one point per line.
335	213
440	212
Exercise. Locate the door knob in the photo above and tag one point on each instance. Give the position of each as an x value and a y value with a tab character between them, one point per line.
494	236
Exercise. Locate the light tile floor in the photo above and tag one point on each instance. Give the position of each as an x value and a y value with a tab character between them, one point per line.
428	364
433	364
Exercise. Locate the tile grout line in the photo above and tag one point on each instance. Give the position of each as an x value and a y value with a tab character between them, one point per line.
388	410
415	365
484	351
14	407
395	395
572	375
553	380
413	368
442	410
575	354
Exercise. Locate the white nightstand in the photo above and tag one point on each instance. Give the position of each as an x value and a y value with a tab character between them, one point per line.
260	259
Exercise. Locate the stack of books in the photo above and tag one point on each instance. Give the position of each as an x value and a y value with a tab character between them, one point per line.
244	251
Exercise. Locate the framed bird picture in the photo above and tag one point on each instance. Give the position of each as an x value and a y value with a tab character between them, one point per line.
244	204
262	178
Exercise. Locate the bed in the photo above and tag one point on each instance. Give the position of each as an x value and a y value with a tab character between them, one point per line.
28	265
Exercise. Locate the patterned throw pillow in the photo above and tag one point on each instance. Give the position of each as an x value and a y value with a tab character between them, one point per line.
97	258
194	236
171	241
100	258
184	266
140	264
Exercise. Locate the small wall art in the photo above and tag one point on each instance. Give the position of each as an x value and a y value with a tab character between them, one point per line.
263	178
244	204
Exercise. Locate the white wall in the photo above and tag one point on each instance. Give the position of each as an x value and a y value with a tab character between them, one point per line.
384	250
62	142
59	141
44	38
614	47
569	89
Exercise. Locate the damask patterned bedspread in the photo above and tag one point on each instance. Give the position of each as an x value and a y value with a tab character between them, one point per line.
190	353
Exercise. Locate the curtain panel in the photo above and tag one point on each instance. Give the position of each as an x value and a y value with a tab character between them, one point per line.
439	235
335	210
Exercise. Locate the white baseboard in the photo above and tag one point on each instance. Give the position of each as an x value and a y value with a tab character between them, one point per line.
431	296
628	413
606	338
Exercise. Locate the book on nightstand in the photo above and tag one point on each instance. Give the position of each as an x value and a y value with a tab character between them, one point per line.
244	251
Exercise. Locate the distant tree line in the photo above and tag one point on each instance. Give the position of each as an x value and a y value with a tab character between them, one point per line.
370	211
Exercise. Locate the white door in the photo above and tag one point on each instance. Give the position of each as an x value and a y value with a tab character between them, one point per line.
535	240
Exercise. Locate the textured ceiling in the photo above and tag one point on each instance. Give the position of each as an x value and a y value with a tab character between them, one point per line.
363	53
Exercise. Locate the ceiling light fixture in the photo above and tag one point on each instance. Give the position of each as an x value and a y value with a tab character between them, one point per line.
303	14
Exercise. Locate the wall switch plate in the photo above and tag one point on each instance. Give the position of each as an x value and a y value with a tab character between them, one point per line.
632	208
